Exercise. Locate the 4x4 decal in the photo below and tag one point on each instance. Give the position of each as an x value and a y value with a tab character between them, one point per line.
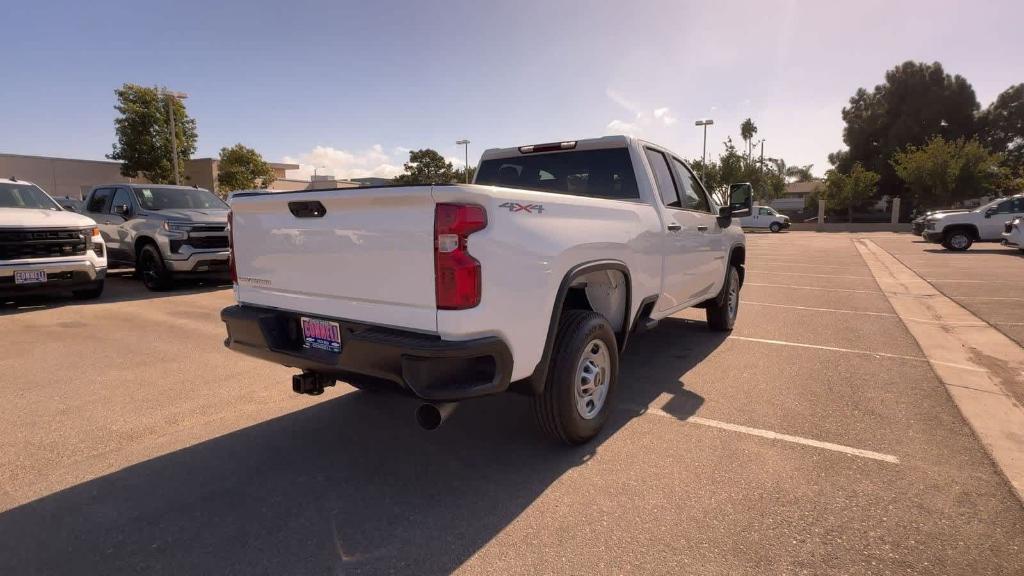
528	208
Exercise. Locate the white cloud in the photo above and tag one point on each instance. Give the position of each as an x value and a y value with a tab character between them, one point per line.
345	164
644	119
621	127
665	115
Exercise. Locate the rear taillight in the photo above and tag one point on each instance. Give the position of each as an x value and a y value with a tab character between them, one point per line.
456	273
231	248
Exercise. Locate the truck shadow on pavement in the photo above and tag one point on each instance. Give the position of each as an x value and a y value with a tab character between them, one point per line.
349	485
121	286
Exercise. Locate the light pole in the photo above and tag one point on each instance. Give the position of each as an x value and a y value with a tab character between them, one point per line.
704	152
466	144
171	96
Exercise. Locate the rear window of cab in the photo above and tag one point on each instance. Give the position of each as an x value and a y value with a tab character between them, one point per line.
606	173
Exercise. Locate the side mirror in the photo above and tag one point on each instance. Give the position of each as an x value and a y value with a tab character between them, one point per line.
741	200
990	212
121	210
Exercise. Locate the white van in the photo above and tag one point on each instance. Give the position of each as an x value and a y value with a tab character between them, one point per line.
765	217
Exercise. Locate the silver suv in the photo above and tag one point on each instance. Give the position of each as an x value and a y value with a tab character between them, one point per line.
163	231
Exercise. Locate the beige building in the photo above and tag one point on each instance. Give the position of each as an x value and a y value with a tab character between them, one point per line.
72	178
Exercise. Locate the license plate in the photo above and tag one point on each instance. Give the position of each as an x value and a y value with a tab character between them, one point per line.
29	276
321	334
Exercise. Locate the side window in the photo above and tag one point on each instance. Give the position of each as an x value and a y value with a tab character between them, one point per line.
765	212
99	200
121	197
692	192
663	178
1017	205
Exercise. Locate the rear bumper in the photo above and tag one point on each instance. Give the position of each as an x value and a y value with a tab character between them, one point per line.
425	365
60	276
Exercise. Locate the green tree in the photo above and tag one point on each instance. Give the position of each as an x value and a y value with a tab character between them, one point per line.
460	174
747	131
1001	128
799	173
426	166
945	171
767	181
144	134
242	168
916	102
849	191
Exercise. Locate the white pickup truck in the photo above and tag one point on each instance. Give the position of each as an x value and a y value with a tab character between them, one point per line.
531	279
45	248
957	231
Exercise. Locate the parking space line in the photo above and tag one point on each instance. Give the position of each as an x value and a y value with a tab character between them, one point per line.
812	288
852	351
784	437
974	281
803	274
817	309
804	265
985	298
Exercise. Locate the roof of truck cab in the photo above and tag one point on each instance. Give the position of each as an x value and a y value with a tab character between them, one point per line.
617	141
18	181
141	185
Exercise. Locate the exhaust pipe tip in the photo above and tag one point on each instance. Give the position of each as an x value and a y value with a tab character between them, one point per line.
430	416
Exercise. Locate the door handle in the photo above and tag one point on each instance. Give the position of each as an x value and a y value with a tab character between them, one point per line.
107	222
702	228
674	227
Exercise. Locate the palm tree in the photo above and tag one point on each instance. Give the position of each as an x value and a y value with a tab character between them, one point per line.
800	173
747	131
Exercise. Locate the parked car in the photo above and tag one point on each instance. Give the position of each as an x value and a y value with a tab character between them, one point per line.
162	231
1013	234
70	204
765	217
919	222
531	279
44	248
959	230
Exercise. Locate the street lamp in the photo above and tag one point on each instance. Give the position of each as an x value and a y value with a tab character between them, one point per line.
466	144
171	96
703	155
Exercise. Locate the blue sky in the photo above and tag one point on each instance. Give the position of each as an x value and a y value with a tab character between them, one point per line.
351	86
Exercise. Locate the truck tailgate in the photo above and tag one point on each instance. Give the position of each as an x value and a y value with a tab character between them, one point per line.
369	257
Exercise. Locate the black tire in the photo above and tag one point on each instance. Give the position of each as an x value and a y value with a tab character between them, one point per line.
723	310
556	408
957	240
775	227
89	293
151	268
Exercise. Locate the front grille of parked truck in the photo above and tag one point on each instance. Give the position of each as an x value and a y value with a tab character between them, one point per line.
43	243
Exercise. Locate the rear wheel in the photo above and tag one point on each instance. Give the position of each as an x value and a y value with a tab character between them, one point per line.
581	379
722	311
958	240
775	227
150	265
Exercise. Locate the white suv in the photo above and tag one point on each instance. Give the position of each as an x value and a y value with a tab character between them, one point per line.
44	248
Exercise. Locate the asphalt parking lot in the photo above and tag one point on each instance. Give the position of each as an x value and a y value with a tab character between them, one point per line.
987	279
816	438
